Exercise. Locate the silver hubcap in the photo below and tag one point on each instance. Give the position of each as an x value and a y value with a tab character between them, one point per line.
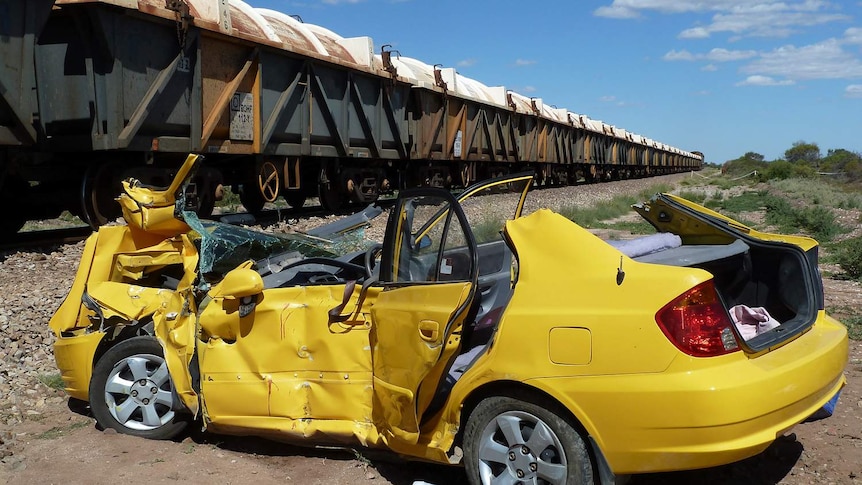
517	447
138	392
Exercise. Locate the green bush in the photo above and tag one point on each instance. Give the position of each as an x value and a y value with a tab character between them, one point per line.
745	202
820	191
54	381
653	189
592	217
849	257
638	227
779	170
817	221
854	327
697	197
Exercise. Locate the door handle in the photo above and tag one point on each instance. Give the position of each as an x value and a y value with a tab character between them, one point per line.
429	330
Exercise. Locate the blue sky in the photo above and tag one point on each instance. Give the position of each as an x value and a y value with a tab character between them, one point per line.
719	76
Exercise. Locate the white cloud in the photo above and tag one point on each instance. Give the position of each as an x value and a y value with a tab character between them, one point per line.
709	68
616	12
758	80
724	55
632	8
694	33
768	20
703	92
823	60
715	55
683	55
529	89
524	62
338	2
853	35
743	18
853	91
608	99
466	62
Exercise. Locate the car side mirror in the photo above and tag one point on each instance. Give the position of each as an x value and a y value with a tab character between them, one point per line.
239	283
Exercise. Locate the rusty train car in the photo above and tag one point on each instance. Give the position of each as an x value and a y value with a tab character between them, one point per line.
95	91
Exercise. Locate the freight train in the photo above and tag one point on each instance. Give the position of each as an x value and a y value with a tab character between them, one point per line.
92	92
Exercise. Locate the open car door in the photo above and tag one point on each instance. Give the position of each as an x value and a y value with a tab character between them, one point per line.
429	271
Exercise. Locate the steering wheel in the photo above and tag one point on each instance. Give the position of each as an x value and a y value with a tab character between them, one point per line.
371	257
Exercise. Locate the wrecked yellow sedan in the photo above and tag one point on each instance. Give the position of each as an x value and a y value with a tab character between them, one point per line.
527	351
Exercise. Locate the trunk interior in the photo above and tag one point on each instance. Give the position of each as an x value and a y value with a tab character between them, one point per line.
775	276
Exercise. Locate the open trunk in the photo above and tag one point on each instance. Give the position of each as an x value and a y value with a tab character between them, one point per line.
776	273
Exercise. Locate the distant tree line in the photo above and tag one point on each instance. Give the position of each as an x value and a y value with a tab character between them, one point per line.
801	160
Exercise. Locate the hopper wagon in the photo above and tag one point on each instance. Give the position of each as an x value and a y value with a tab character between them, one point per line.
96	91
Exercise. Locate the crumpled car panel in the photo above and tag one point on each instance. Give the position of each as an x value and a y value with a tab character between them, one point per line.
293	368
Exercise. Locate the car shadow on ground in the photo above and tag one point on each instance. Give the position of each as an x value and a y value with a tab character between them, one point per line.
389	465
769	467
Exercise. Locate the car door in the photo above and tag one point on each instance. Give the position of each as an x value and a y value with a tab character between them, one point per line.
429	273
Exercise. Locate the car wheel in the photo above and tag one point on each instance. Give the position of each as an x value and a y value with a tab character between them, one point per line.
131	391
511	441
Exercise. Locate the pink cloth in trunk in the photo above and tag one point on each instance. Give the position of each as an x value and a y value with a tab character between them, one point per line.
752	322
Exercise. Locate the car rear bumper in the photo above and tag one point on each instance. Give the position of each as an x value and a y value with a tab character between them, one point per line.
74	357
704	412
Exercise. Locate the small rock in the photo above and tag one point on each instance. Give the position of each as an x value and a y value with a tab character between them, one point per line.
370	475
110	431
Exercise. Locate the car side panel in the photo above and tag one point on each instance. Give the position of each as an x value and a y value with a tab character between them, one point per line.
74	356
706	412
294	370
75	347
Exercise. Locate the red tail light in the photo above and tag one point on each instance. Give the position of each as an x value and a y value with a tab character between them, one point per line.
697	323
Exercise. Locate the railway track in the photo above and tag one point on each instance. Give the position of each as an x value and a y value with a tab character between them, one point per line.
30	240
45	238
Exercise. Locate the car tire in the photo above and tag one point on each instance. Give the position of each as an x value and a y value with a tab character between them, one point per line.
500	443
131	391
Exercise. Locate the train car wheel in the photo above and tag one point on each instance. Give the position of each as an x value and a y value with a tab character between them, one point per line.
206	206
331	198
251	198
268	181
294	198
98	190
13	192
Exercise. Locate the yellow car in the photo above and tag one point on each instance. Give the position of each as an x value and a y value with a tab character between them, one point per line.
524	348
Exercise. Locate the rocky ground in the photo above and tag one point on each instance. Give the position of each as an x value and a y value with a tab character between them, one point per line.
45	438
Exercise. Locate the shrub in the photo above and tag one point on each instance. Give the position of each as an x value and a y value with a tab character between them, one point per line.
746	202
697	197
854	327
821	192
817	221
849	257
54	381
779	170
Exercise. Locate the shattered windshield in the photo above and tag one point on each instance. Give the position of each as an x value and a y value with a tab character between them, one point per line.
223	247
